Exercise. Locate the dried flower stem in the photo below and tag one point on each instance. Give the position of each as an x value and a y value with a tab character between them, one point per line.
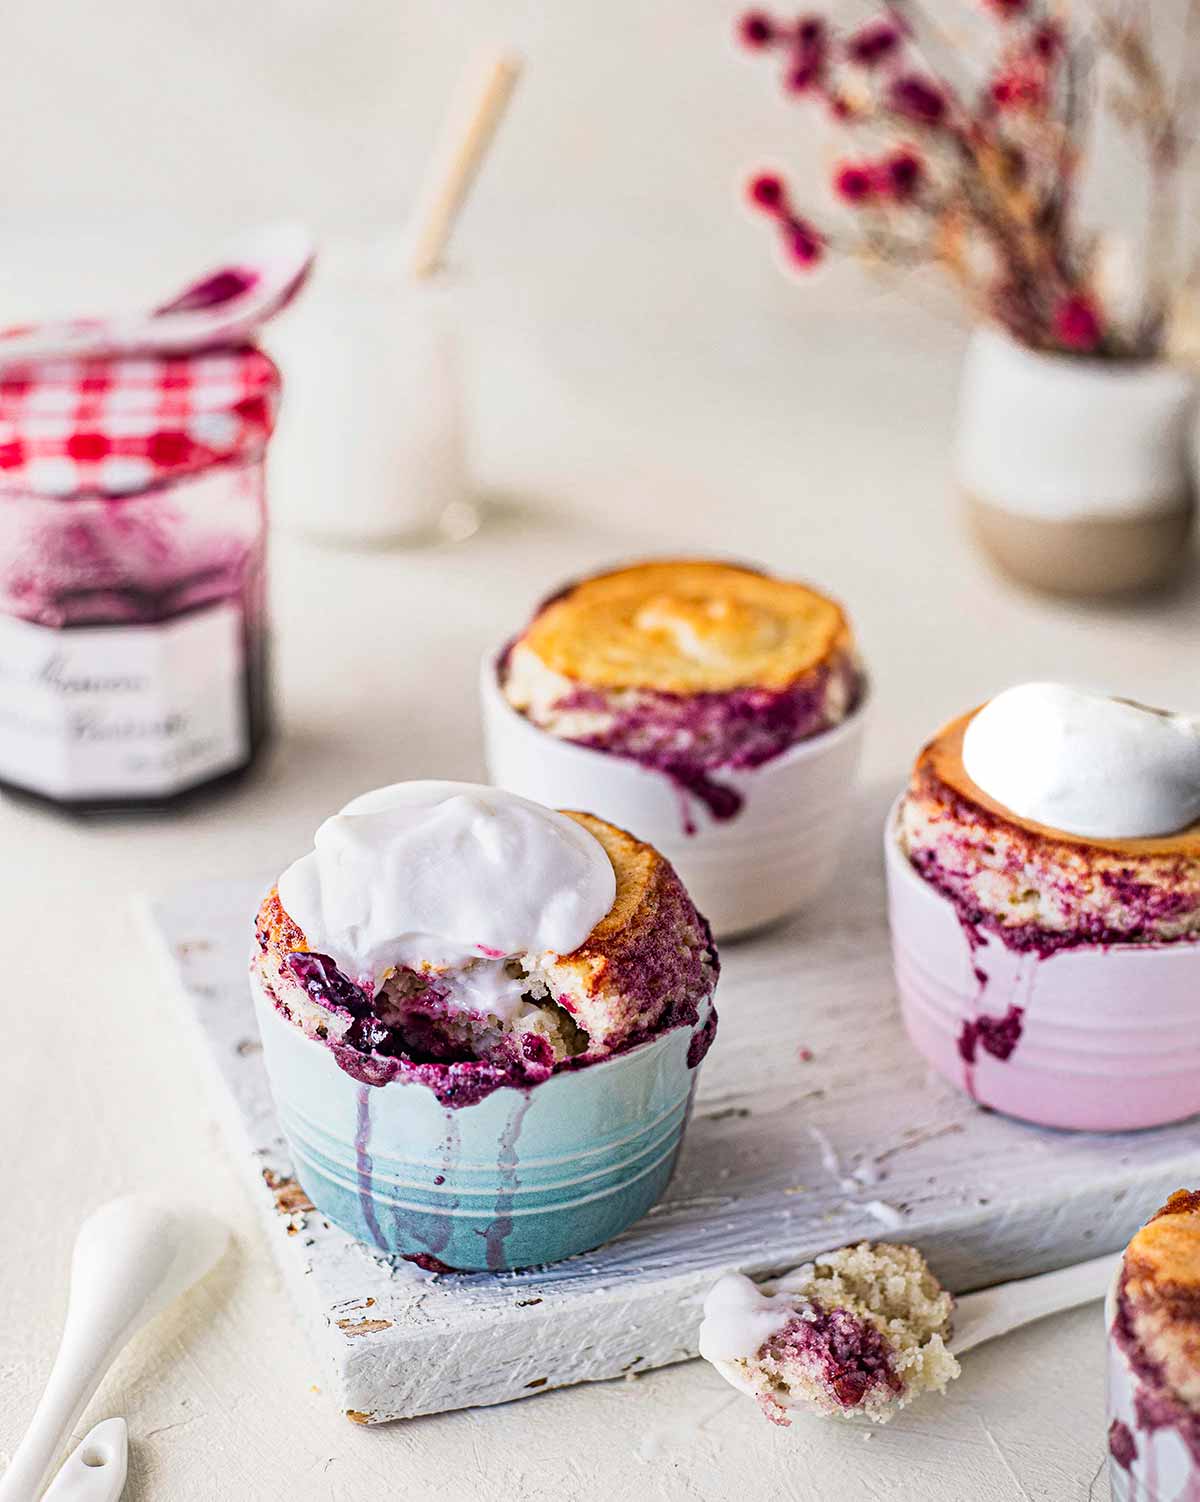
985	186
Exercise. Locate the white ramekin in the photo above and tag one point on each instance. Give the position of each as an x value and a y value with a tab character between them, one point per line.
776	855
1145	1464
1110	1034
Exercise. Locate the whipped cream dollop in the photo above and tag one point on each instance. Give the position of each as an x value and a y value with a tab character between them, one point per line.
739	1317
1086	763
448	876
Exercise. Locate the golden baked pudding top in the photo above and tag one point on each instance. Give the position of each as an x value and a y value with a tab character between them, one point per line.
941	762
687	627
1165	1253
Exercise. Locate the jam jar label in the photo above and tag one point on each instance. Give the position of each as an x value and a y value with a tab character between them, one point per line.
123	711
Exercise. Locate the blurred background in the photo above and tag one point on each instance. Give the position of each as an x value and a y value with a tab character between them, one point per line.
643	373
620	293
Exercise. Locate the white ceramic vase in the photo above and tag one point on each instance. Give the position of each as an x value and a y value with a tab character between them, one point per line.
1077	472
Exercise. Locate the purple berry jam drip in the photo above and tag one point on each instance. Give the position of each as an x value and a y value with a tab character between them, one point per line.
364	1168
997	1036
848	1357
689	737
427	1262
500	1230
1121	1444
432	1228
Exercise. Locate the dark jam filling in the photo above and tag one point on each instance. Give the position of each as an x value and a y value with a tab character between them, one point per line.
90	592
847	1355
418	1042
1152	904
418	1046
688	737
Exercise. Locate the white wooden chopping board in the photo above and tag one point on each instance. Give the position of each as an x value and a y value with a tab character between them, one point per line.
815	1125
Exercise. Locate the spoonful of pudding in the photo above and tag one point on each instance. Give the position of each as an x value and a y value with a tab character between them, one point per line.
862	1331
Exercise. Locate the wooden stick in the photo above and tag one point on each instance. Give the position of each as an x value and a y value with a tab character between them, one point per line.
463	147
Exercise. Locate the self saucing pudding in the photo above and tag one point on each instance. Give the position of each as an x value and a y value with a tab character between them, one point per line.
1086	833
1155	1353
464	939
858	1332
692	668
1044	900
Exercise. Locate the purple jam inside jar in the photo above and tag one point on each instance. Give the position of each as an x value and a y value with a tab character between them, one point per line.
134	629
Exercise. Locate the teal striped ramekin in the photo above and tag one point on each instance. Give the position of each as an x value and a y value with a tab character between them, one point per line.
522	1177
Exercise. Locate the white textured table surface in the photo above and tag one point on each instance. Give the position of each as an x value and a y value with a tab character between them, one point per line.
817	442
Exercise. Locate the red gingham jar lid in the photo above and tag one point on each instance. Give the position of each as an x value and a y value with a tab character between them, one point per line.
117	424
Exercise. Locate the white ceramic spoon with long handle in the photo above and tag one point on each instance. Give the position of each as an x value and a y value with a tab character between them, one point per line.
132	1258
995	1311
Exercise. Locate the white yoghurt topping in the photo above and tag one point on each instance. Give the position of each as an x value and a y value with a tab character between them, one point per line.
1085	763
448	876
739	1316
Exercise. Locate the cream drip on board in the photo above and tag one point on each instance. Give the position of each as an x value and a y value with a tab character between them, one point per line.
1086	763
448	876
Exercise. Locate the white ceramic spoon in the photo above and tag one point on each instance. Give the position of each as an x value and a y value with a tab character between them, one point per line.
132	1258
987	1314
95	1472
995	1311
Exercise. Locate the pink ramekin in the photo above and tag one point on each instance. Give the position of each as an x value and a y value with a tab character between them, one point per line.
1107	1036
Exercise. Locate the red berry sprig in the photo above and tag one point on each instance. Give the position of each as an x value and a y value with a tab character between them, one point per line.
802	241
978	180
